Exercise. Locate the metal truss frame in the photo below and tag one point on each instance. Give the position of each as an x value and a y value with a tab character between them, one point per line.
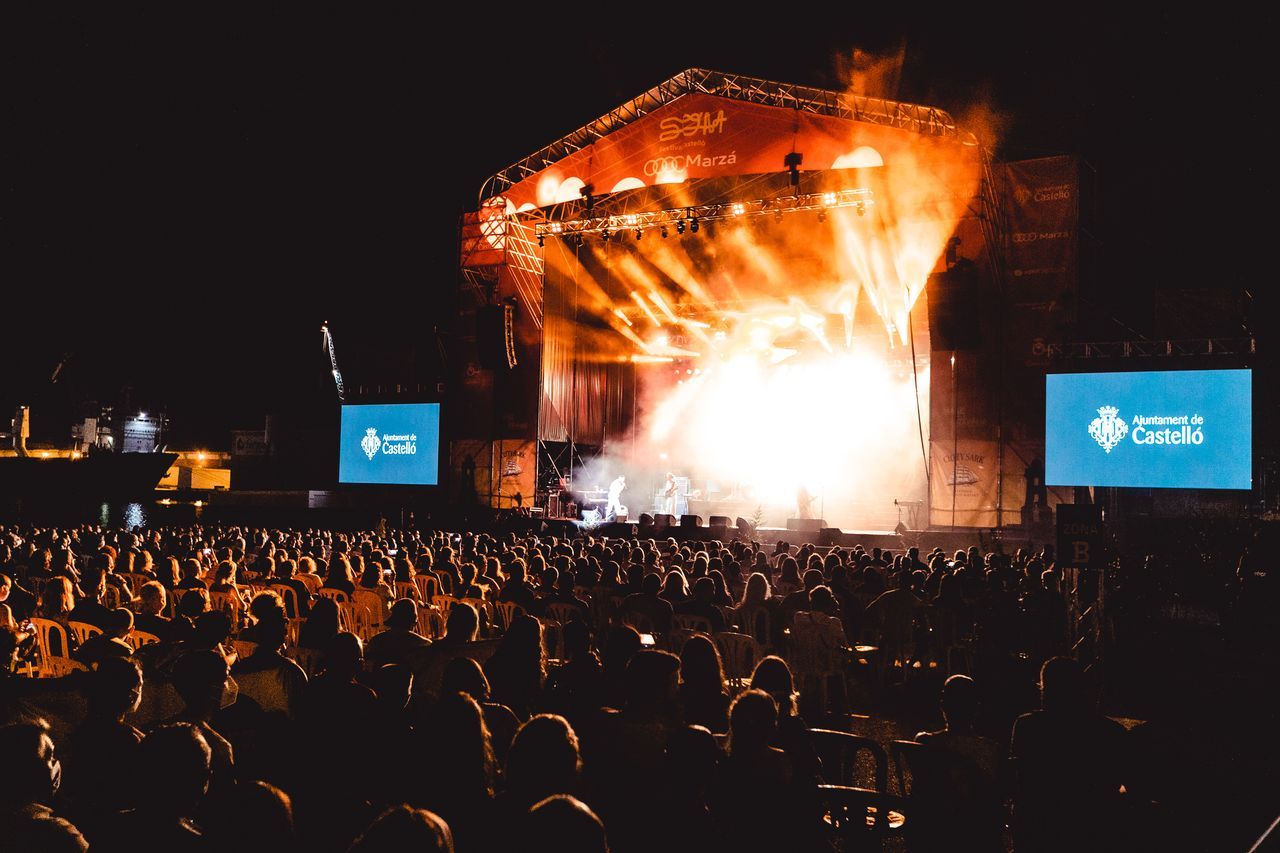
1155	349
689	217
930	121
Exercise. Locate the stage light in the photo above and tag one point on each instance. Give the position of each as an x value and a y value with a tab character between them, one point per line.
792	161
739	208
604	235
679	226
822	216
664	232
540	241
777	215
557	227
829	199
862	208
639	233
693	226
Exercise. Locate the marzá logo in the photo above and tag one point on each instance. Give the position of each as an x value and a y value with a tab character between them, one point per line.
370	443
1107	429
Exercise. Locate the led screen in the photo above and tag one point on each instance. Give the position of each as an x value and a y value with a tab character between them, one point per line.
1180	429
394	444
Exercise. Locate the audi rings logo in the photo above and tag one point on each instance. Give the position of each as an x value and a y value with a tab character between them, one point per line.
659	165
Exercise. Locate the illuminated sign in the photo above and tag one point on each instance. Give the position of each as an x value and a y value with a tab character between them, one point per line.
392	444
1189	429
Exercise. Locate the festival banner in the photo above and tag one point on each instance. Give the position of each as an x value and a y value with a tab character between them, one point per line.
967	470
705	136
1044	214
498	474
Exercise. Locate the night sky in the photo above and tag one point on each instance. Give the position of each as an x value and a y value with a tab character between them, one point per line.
187	198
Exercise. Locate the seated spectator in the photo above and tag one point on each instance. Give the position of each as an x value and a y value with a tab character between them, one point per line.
543	761
576	687
402	828
568	823
459	639
31	777
201	678
464	675
460	787
104	743
1066	752
517	669
111	642
755	779
224	578
270	679
373	580
773	676
253	817
21	602
468	587
90	609
702	604
340	575
799	599
518	590
285	575
647	609
321	625
172	779
400	641
152	599
191	575
702	692
958	792
336	694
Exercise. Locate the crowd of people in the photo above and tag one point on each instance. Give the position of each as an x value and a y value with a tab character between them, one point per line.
242	689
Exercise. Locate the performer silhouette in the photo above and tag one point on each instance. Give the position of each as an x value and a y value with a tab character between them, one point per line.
804	501
669	491
614	506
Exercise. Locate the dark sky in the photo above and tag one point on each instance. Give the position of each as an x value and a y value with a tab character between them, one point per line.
187	198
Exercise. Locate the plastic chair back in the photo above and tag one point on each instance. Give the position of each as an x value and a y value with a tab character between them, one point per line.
313	583
563	613
138	639
83	631
46	630
505	612
839	753
336	595
372	602
290	597
428	586
739	653
691	623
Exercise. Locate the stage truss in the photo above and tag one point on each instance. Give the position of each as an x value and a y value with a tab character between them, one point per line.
929	121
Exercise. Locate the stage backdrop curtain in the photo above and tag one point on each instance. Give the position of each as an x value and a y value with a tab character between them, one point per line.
587	396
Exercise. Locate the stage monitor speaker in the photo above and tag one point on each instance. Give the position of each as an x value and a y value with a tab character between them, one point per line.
807	525
829	536
663	520
690	521
721	521
954	309
646	520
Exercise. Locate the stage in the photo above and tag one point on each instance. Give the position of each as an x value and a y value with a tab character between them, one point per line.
767	291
